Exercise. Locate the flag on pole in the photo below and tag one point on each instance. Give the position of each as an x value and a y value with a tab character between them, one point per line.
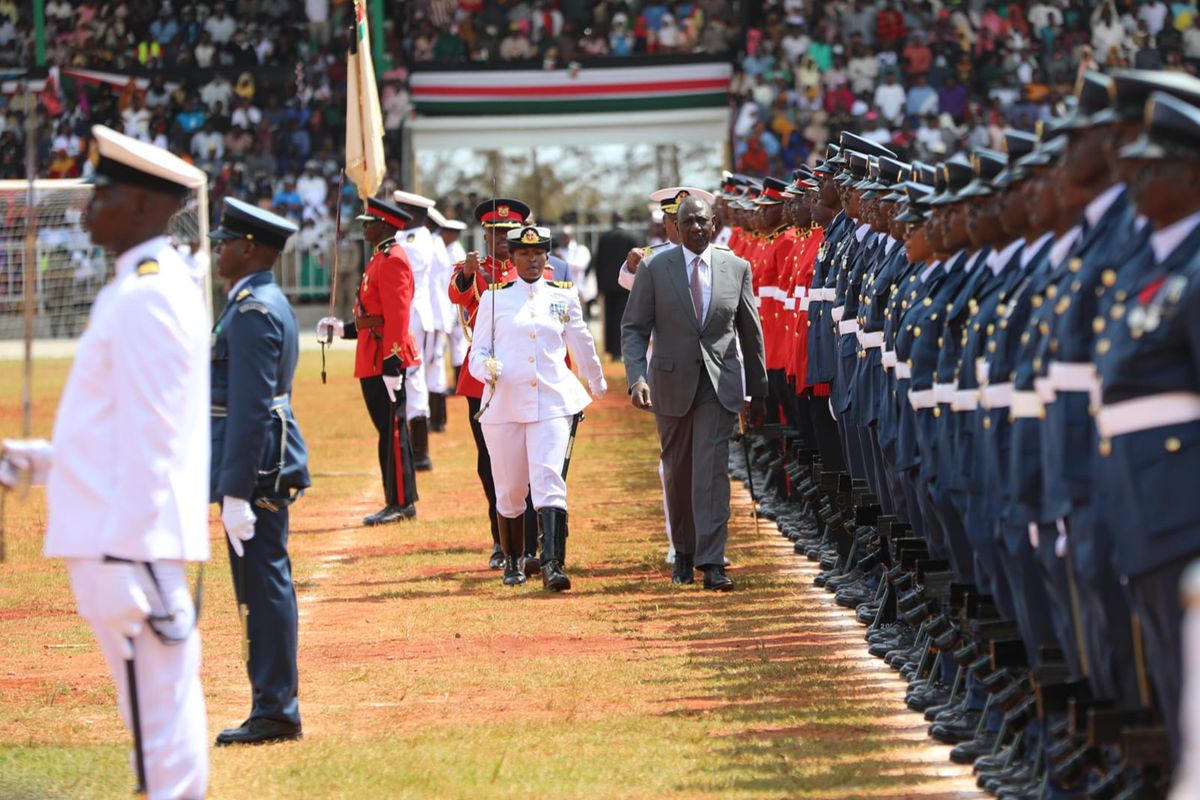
364	120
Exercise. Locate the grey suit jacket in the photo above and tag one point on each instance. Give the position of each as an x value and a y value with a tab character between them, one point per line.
660	304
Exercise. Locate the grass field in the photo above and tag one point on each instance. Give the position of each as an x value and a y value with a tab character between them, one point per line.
422	676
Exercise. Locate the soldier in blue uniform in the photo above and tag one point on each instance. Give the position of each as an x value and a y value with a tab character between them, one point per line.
1149	364
259	460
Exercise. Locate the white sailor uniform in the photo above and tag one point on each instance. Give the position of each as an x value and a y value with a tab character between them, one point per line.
527	422
129	481
418	244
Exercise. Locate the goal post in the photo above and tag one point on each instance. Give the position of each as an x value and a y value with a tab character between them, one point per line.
69	269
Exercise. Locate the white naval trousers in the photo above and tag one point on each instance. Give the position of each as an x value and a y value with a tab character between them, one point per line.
435	361
416	388
528	456
170	699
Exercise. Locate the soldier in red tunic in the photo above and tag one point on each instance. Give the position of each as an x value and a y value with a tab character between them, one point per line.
386	348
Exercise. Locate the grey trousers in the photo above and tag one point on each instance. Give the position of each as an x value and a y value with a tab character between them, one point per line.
695	457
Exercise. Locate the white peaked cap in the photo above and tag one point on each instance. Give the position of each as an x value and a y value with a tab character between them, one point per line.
124	159
410	199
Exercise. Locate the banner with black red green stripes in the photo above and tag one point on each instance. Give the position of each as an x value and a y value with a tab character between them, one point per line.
571	90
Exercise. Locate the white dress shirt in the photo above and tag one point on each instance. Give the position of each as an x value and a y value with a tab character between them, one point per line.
1165	241
689	259
131	440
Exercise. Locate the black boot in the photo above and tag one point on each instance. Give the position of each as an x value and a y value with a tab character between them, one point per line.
552	527
418	432
437	412
496	560
512	536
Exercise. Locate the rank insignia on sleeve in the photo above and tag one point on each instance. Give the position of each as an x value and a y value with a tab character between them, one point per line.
252	306
149	267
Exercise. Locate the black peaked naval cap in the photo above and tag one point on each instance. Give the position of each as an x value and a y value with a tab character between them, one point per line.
892	171
923	173
852	141
958	173
918	195
1134	87
529	236
386	212
241	220
1096	93
1172	130
986	164
502	212
1019	143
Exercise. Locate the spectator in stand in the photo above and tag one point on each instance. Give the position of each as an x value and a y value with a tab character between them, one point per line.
208	146
890	99
217	91
312	187
889	27
136	119
754	160
220	26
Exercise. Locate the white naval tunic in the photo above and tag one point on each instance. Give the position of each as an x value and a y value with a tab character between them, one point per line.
130	480
418	245
131	439
527	423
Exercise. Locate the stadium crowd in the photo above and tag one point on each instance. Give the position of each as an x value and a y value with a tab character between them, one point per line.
251	90
926	79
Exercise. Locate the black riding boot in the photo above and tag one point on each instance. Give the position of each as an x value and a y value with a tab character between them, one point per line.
512	537
552	527
437	412
418	431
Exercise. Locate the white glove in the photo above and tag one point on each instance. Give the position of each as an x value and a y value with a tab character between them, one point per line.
494	367
238	518
118	602
598	387
392	384
22	459
329	327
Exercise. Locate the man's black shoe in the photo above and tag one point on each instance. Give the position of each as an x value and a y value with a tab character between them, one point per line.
389	514
684	571
260	731
496	561
716	579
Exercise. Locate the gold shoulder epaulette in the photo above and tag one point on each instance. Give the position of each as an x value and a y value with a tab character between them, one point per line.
495	287
243	294
147	267
562	284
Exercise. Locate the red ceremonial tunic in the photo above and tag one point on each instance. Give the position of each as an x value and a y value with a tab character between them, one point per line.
386	291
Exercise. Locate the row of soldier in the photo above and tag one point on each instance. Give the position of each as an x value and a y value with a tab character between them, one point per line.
985	388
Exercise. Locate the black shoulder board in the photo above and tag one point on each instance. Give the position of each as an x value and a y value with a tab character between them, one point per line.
562	284
147	267
253	305
498	286
720	246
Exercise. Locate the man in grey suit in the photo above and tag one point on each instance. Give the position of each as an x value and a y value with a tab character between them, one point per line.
698	303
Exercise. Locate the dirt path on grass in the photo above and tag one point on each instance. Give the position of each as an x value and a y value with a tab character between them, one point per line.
423	676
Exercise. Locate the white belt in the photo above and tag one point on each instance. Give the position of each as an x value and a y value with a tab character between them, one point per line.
848	327
944	392
981	371
789	303
776	292
821	294
1027	405
871	340
998	395
837	313
804	301
1044	388
889	359
965	400
923	398
799	291
1077	376
903	371
1145	413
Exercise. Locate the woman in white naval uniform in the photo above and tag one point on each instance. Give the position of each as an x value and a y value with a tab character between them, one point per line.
521	336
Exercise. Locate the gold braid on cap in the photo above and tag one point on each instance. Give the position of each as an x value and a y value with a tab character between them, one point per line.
530	236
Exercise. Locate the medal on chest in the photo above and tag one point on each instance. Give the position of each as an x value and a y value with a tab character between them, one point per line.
559	310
